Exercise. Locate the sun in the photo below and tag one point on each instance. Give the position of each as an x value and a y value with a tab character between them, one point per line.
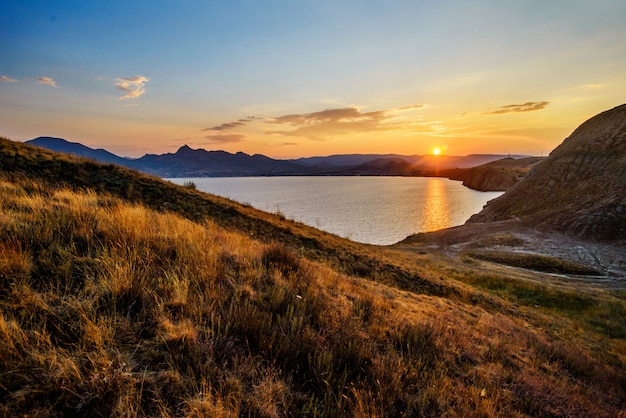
436	151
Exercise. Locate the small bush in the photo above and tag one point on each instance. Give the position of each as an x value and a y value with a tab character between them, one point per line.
280	258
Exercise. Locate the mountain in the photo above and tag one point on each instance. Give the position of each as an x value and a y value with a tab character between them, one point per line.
416	162
580	189
75	148
187	162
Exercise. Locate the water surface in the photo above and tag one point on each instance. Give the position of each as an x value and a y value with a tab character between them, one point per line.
371	210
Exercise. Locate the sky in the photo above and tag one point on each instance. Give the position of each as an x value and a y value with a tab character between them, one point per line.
297	78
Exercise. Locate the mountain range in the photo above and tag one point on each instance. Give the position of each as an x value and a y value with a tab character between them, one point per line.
188	162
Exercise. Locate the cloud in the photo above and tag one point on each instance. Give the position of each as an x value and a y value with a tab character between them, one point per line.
7	79
322	125
327	124
47	80
518	108
225	126
594	86
225	139
345	114
133	87
231	125
411	107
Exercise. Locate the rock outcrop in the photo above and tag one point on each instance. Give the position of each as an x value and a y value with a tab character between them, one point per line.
580	189
486	179
496	176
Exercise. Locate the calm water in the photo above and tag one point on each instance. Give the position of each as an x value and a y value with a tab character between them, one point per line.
372	210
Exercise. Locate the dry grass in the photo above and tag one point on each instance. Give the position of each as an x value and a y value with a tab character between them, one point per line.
111	308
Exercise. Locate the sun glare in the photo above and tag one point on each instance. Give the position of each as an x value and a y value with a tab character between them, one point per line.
436	151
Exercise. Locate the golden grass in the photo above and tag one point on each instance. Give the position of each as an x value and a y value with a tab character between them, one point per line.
112	308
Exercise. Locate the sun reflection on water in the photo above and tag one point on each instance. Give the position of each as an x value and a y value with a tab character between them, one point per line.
436	211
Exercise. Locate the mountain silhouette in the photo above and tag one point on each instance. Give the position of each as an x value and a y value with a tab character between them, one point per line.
75	148
188	162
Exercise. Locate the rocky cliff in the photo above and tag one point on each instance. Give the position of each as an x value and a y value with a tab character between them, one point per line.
580	189
496	176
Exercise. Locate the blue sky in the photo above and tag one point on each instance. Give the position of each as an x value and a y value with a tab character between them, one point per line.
301	78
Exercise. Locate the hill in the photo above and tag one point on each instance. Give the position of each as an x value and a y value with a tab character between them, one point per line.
580	189
122	294
80	150
498	175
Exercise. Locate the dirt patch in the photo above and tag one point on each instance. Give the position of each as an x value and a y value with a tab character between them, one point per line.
536	262
511	240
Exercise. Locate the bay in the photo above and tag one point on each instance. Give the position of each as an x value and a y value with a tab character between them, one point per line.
370	210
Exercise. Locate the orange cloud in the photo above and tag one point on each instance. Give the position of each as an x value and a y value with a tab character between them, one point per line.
225	139
517	108
323	124
47	80
133	87
231	125
7	79
411	107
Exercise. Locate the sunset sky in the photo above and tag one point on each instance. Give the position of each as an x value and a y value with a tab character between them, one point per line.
298	78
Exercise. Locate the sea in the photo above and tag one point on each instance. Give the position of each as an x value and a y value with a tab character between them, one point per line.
371	210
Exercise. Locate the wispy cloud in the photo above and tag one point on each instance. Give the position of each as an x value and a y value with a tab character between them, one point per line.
7	79
518	108
330	122
327	124
132	87
411	107
47	80
231	125
594	85
226	138
342	115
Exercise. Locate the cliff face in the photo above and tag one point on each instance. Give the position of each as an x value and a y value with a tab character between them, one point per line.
487	179
497	176
580	189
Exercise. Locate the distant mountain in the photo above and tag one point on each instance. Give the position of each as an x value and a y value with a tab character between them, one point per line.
348	160
75	148
580	189
188	162
420	162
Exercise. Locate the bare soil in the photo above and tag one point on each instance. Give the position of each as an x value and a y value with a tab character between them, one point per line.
514	237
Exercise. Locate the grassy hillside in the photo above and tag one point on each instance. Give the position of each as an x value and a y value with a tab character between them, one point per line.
121	294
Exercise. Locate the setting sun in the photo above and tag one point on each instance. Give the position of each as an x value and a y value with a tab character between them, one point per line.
436	151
